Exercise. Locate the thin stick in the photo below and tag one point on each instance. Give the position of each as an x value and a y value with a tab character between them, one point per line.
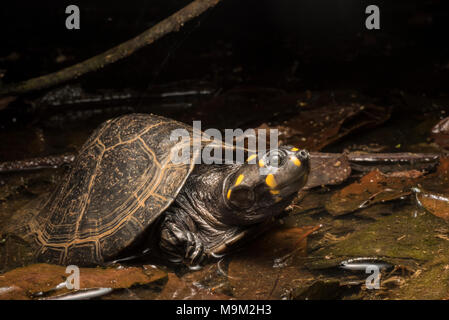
37	163
399	157
123	50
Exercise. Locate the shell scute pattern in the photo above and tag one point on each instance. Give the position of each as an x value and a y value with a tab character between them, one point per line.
121	181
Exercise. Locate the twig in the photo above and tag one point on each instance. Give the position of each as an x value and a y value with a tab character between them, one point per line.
123	50
385	162
399	157
37	163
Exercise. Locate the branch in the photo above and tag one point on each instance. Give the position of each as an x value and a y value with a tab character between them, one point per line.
170	24
37	163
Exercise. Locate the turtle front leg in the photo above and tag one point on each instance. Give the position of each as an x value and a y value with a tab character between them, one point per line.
179	241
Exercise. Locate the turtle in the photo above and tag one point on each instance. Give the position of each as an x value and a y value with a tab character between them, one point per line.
124	191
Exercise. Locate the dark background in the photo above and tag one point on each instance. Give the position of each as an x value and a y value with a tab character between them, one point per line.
296	44
270	46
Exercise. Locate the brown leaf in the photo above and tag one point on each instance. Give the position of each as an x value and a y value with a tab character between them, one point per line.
24	282
313	129
443	169
435	203
327	169
440	132
374	187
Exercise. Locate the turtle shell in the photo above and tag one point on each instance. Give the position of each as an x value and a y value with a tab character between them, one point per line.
120	182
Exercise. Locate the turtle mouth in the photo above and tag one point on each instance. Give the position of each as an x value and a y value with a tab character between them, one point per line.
288	190
291	181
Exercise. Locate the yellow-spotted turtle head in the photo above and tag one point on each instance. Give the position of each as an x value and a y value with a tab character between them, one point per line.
264	185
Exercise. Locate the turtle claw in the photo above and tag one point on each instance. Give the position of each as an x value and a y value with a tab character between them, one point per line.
175	260
195	268
124	259
216	255
194	250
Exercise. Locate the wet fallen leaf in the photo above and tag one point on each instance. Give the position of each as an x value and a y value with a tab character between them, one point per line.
399	164
316	128
439	180
443	170
435	203
440	132
373	188
410	174
25	282
307	120
327	169
261	271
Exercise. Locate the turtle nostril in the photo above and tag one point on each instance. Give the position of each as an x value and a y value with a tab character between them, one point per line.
303	154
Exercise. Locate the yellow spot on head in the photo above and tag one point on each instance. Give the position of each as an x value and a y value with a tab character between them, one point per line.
239	180
296	161
269	180
294	149
261	163
229	194
274	191
251	157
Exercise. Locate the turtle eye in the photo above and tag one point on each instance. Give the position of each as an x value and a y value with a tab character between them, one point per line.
275	158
